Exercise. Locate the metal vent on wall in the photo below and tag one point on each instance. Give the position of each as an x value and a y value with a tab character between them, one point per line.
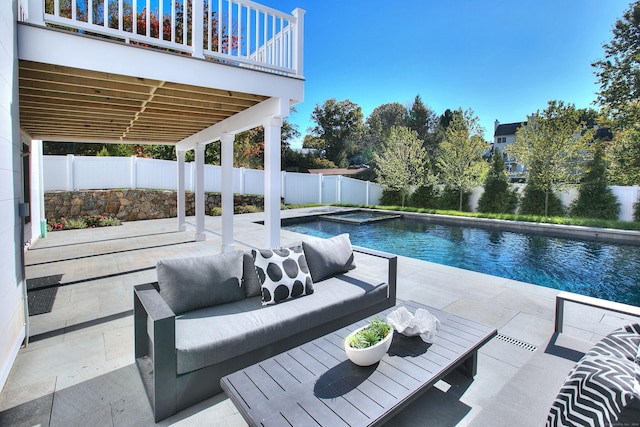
516	342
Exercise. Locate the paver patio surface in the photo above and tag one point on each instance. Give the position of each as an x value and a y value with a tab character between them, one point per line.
78	368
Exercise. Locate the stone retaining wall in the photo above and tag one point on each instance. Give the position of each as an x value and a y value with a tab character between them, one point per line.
131	205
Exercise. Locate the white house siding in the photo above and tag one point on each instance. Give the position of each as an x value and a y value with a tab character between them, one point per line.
11	278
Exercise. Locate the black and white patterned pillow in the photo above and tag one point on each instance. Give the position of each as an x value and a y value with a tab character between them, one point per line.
602	389
283	273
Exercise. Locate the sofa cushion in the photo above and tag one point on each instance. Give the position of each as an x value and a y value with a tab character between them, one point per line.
328	257
603	388
191	283
283	273
250	277
214	334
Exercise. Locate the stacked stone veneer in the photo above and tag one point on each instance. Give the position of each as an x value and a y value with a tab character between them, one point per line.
131	205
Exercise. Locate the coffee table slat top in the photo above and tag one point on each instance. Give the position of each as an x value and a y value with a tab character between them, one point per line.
316	384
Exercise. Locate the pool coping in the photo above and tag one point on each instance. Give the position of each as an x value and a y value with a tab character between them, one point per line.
605	235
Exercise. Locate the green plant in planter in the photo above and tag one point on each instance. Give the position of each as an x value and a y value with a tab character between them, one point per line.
375	332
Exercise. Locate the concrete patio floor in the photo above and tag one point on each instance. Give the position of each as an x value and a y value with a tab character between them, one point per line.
78	368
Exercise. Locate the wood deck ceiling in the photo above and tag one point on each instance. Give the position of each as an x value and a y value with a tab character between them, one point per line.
69	104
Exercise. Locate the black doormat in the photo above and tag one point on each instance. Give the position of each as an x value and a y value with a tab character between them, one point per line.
41	293
42	282
41	300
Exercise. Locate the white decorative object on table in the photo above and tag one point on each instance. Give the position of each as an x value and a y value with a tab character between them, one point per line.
423	323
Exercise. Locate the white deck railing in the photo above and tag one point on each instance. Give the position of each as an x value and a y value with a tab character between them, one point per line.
237	32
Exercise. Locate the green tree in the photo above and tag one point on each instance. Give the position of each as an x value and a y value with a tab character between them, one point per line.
377	128
624	153
498	197
595	199
424	121
619	72
460	158
552	146
402	162
339	124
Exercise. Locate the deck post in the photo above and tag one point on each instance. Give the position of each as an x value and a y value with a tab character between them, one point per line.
272	191
227	192
200	234
298	42
197	38
182	225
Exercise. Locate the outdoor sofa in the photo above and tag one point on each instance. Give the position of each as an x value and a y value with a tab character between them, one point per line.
207	317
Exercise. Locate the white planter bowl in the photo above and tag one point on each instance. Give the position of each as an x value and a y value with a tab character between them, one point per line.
370	355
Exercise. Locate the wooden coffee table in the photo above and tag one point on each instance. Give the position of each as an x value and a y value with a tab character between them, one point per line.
316	384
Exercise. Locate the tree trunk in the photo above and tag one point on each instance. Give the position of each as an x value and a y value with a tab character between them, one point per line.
460	204
546	202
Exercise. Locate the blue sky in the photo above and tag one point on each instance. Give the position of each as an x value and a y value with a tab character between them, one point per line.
504	59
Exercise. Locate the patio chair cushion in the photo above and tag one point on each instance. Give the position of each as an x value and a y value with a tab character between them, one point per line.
283	273
252	285
328	257
604	386
214	334
188	284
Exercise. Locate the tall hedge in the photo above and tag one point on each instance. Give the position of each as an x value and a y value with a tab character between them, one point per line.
498	197
595	199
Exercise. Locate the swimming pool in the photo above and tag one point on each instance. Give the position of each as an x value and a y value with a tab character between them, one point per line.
602	270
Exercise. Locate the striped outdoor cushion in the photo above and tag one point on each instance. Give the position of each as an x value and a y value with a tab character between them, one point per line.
603	389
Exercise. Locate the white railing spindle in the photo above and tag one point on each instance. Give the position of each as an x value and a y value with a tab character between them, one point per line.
256	36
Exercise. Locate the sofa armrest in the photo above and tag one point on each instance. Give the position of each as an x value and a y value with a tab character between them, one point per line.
616	307
155	338
392	279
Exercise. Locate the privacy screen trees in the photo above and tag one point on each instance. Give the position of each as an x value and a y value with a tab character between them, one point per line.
460	158
402	162
498	197
552	146
595	199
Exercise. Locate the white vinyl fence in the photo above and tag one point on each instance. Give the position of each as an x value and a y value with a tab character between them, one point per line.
91	173
102	173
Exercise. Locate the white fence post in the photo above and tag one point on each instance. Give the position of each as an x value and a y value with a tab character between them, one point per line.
69	172
283	185
320	180
339	189
242	181
134	172
367	194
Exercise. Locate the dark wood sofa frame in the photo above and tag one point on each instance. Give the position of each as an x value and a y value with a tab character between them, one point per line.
155	353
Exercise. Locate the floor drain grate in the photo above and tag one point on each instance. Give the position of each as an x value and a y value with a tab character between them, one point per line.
516	342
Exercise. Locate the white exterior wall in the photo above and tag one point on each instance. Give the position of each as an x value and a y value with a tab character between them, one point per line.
12	316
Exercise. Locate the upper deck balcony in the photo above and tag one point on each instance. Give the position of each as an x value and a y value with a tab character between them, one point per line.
144	71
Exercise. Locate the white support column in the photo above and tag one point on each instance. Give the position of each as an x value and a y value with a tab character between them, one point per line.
272	162
200	233
226	154
182	223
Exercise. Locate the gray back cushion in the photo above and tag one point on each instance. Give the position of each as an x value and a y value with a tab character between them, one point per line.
190	283
328	257
251	281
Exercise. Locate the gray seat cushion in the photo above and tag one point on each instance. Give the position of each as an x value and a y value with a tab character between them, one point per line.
188	284
211	335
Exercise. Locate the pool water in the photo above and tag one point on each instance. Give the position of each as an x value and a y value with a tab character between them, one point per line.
602	270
